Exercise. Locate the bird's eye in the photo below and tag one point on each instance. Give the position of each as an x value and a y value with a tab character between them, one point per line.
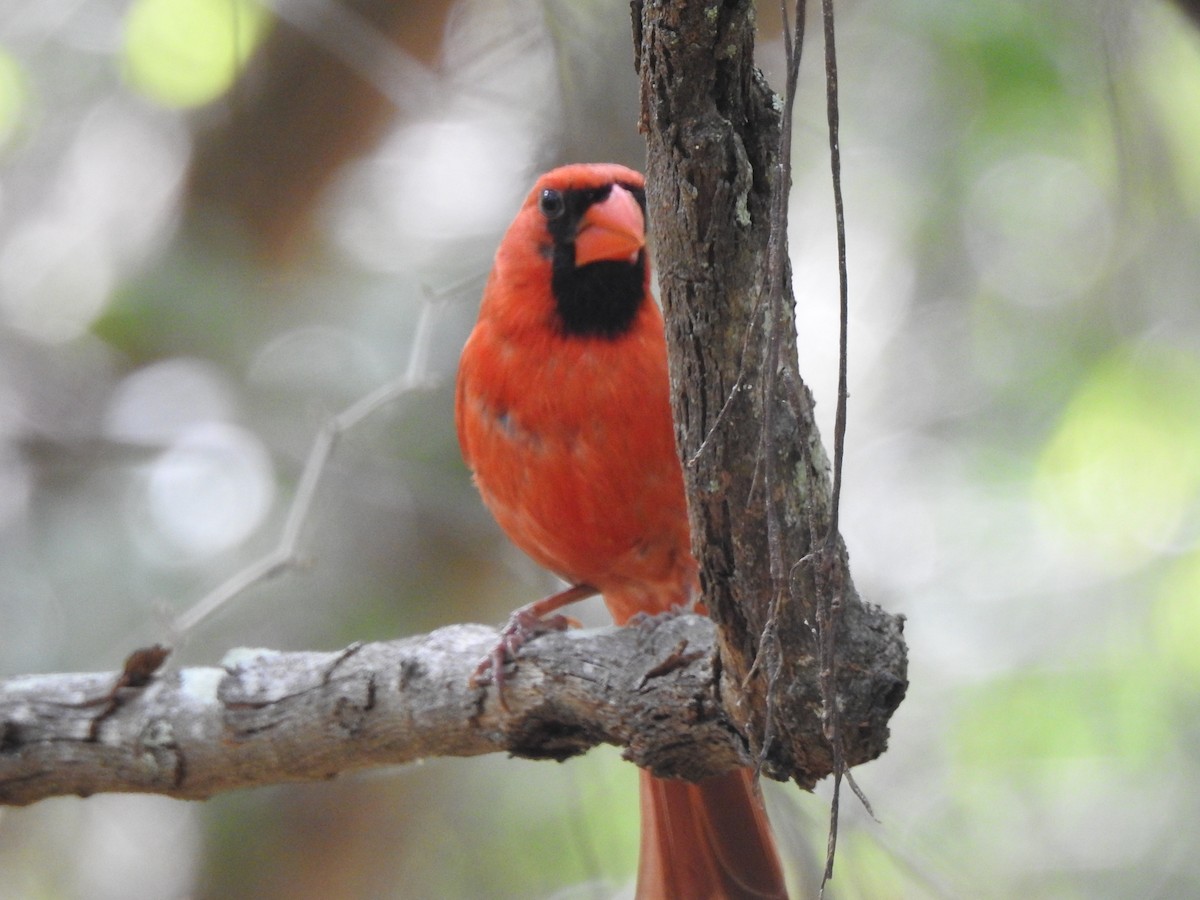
551	203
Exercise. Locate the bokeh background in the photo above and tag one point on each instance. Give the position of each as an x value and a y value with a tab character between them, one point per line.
220	223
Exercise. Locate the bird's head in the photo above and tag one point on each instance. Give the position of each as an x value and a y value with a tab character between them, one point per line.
588	223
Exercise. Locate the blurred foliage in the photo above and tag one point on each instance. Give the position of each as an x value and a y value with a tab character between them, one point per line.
1121	472
1023	469
188	52
1176	625
1172	83
12	97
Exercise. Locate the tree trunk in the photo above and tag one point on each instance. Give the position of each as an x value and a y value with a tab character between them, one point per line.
776	582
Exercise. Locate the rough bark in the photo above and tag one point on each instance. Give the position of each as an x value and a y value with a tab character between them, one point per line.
757	477
265	717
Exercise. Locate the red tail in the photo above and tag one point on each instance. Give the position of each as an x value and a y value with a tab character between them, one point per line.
706	841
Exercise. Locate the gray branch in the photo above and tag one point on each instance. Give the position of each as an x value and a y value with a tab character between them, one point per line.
266	717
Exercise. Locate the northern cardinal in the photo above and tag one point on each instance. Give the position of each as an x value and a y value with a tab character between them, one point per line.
564	417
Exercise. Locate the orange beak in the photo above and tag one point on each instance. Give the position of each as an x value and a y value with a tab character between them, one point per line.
613	229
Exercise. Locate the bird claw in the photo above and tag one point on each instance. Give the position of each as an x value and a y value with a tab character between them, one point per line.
523	626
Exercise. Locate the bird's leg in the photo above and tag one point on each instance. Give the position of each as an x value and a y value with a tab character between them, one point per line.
524	625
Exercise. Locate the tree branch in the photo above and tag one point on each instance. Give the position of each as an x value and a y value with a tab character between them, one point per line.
266	717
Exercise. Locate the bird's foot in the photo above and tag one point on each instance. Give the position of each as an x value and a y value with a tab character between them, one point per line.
524	625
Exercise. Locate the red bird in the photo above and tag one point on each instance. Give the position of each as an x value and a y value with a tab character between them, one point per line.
564	418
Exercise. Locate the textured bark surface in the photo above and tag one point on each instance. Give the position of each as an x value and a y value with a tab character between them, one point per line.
265	717
756	473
